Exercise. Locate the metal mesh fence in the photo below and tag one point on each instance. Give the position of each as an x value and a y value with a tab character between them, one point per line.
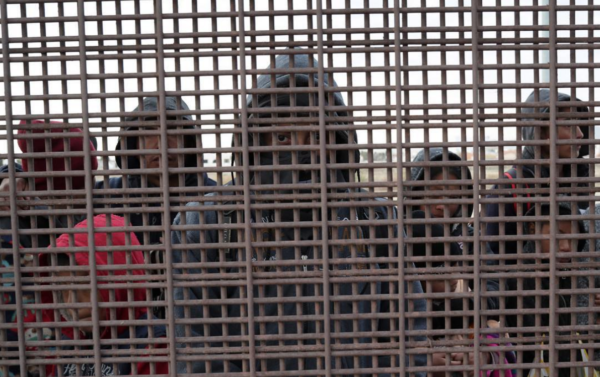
299	188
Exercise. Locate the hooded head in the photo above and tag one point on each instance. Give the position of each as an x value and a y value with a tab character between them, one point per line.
564	227
102	259
150	104
283	102
417	173
528	133
57	144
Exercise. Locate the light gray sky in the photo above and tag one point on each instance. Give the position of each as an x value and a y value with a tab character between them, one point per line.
358	60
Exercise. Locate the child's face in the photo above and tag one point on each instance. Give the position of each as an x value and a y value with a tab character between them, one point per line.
153	160
153	142
80	296
437	210
564	133
439	286
564	246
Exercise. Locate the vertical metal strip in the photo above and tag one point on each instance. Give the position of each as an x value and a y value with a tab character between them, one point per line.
553	186
14	223
89	186
400	190
164	165
323	189
476	283
247	197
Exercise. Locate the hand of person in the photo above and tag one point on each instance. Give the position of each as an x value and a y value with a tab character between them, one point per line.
597	303
459	357
21	185
439	359
455	286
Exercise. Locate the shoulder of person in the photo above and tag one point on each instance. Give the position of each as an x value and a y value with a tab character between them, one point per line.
381	212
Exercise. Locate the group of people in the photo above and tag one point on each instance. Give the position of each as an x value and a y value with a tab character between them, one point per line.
360	252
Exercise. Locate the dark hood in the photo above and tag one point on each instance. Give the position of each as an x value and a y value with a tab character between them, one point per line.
564	209
528	133
437	154
302	80
150	104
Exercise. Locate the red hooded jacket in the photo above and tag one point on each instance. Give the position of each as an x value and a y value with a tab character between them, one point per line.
120	295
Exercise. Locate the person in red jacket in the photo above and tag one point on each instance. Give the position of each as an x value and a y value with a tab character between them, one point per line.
45	154
130	290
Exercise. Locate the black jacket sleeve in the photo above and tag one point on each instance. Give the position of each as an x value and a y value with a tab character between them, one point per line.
18	168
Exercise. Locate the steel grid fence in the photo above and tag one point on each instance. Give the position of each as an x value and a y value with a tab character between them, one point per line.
299	188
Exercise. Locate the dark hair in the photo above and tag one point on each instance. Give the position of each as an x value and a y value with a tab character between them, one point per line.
63	259
434	171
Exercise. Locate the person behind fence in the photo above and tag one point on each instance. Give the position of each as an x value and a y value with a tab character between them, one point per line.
45	147
133	162
427	178
525	294
444	168
131	180
431	189
452	316
139	336
565	151
38	221
291	314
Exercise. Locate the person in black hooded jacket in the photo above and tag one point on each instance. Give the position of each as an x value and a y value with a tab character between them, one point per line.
493	210
152	161
221	310
529	286
425	187
446	210
131	181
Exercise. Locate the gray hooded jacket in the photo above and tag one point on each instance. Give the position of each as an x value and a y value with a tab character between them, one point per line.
283	301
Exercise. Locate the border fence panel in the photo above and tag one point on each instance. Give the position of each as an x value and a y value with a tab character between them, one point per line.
299	188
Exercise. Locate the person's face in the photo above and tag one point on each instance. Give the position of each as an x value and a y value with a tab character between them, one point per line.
153	142
566	133
291	138
70	296
437	210
564	245
153	160
439	286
